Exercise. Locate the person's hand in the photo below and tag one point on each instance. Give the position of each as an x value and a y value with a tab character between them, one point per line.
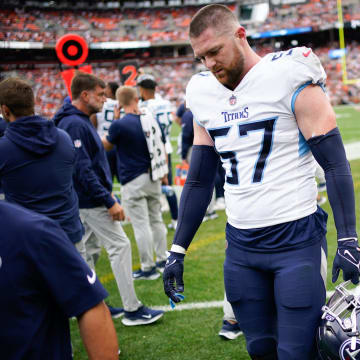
184	162
117	212
173	272
347	259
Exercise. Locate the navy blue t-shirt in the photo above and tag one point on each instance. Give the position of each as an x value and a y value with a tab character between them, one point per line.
36	166
128	136
180	110
43	282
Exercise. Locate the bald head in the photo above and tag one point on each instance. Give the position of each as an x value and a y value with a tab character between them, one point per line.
218	17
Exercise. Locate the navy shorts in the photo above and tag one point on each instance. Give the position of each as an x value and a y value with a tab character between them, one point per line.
277	298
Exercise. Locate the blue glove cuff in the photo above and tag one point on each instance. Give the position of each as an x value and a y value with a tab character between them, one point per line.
179	296
176	255
348	243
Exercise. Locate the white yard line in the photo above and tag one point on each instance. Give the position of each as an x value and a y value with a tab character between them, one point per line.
203	305
352	151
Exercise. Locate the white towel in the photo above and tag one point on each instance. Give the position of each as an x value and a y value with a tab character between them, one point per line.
156	147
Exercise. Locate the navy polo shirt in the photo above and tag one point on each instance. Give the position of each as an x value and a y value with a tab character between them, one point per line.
43	282
128	136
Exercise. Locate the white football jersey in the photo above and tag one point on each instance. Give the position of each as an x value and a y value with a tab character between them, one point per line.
162	111
106	117
269	166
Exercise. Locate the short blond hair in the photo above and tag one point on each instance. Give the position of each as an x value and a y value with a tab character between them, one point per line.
216	16
125	95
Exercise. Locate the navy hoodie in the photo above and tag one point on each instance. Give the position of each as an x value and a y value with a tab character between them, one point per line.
92	177
36	167
3	125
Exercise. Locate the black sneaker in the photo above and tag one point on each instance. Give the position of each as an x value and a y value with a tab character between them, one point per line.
146	275
141	316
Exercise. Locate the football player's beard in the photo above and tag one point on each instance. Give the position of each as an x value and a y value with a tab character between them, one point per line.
94	108
233	74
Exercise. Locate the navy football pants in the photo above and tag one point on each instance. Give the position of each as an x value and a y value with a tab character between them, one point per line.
277	299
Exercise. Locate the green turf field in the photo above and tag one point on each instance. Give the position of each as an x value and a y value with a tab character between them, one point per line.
192	334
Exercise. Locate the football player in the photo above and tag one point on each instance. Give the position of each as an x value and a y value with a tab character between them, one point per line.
267	118
102	121
162	111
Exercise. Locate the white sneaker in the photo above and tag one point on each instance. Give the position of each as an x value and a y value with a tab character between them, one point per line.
172	225
210	216
220	204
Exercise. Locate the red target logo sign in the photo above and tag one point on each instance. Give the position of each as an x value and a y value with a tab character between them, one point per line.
72	49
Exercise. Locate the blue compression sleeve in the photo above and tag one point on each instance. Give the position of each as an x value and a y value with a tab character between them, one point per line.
329	152
196	194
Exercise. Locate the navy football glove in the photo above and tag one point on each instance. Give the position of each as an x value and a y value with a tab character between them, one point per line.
347	259
174	269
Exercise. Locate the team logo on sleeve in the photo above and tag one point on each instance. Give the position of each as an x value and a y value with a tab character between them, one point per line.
77	143
92	278
347	353
232	100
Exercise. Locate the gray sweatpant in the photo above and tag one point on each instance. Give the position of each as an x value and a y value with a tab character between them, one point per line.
101	230
141	200
228	311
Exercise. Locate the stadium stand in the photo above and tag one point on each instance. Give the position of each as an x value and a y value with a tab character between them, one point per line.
166	26
154	25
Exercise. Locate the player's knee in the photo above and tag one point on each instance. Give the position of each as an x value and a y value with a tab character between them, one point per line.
262	349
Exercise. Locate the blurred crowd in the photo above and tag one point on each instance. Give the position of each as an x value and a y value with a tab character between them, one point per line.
166	24
154	25
172	78
319	14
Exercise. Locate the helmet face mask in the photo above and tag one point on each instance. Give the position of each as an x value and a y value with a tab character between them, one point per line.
338	335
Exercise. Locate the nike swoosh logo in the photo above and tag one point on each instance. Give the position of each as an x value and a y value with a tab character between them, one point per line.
306	54
171	263
92	278
146	316
347	252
